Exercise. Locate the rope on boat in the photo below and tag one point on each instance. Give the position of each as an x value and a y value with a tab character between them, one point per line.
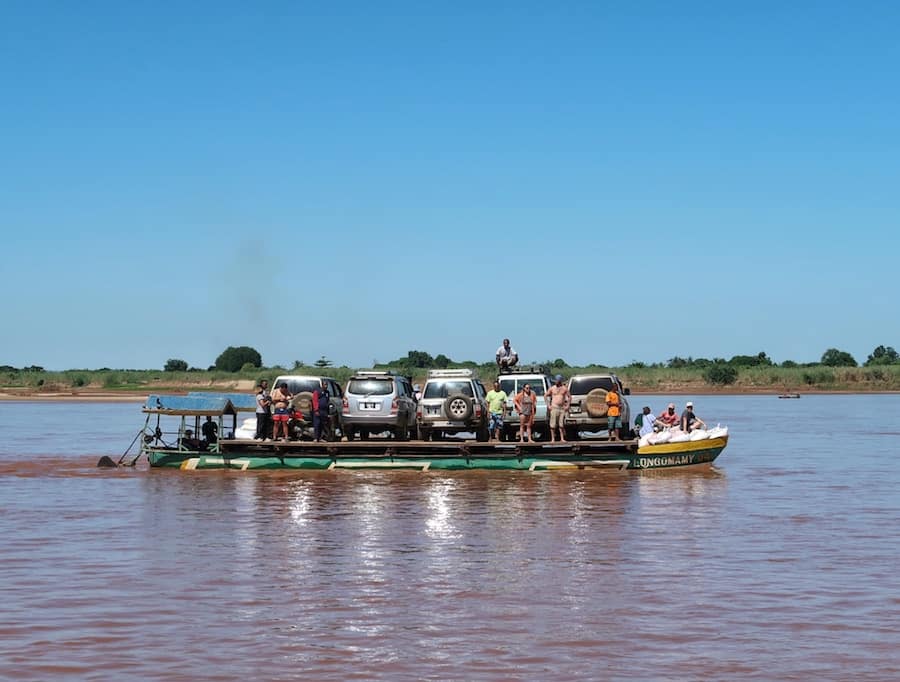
127	450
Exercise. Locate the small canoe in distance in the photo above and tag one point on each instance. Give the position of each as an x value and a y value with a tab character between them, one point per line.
789	395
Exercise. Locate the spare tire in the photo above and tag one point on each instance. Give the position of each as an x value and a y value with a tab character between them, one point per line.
458	408
595	403
303	402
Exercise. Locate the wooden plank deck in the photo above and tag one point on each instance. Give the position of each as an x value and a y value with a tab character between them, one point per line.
415	449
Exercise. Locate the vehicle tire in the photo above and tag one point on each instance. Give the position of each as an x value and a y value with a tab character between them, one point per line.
330	432
302	402
458	407
364	434
437	435
349	433
482	435
595	403
423	432
572	433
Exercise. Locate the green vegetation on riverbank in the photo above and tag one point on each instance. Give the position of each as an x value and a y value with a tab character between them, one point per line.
690	379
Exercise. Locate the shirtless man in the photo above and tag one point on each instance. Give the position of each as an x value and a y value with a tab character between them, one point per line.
558	399
281	400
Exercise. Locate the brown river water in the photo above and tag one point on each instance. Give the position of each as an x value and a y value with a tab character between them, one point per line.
780	562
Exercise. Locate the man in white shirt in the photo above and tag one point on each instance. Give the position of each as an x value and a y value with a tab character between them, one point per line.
647	423
506	356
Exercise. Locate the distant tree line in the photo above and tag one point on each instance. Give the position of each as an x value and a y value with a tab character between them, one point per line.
715	370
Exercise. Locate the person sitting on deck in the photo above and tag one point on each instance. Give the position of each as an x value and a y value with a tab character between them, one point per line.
689	420
188	442
668	418
645	422
506	356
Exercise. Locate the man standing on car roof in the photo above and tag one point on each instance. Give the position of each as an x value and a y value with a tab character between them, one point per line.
506	356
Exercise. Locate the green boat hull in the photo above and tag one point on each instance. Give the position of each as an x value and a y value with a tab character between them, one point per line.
665	456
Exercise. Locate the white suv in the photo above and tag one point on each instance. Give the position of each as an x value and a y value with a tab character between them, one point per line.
512	382
452	402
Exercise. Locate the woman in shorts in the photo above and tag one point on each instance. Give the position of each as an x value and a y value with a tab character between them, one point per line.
525	402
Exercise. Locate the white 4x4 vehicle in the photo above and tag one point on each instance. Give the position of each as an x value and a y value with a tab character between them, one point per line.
512	381
452	402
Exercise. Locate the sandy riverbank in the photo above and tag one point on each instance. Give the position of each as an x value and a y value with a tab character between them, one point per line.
86	396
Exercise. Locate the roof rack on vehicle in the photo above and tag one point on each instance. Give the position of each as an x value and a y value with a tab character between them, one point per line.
377	372
530	369
442	373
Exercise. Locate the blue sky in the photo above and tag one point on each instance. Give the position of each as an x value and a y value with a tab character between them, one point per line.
601	182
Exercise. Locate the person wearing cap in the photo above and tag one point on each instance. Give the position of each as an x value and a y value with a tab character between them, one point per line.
613	412
558	399
668	418
689	420
645	422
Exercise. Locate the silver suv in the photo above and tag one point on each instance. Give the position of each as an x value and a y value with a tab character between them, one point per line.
512	382
377	401
302	387
587	411
452	402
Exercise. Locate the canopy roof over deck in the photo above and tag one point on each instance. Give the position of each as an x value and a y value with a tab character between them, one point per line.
213	405
242	402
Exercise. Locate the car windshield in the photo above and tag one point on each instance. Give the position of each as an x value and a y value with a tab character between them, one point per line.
441	389
536	385
296	386
370	387
513	386
587	384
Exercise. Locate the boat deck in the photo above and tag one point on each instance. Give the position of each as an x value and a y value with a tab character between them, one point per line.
416	448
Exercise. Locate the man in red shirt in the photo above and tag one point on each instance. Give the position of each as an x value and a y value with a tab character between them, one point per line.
668	418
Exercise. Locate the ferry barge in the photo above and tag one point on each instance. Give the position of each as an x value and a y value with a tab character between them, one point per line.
180	447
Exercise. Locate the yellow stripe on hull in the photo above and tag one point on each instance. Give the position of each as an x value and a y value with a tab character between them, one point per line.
684	446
